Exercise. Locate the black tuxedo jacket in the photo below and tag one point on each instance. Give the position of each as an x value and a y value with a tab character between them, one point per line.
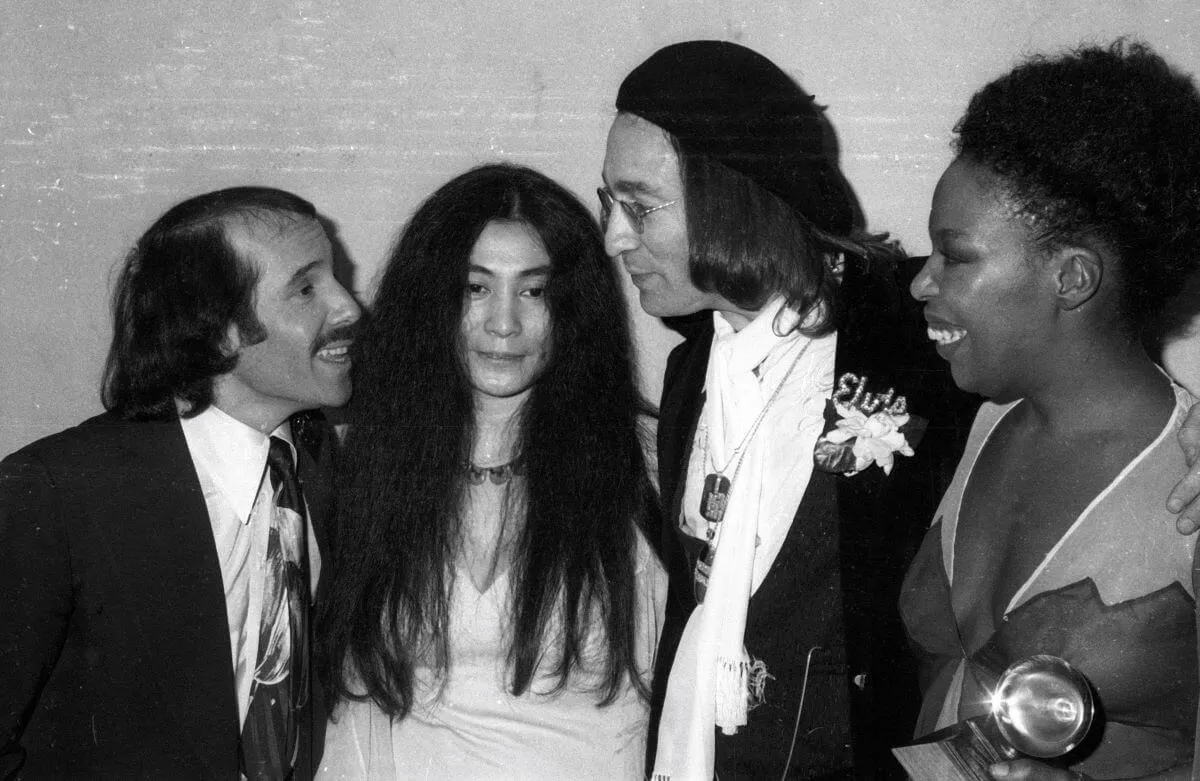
835	584
115	659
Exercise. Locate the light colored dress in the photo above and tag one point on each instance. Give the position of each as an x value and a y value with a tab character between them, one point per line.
477	729
1114	597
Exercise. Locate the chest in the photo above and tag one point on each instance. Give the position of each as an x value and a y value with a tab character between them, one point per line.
1025	493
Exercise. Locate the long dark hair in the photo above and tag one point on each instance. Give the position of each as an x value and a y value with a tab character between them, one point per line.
746	244
180	288
411	430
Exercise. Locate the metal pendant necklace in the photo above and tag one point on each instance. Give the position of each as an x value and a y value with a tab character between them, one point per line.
499	474
714	499
715	496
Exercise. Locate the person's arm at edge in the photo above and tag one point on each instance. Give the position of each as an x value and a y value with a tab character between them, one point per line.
35	596
1185	497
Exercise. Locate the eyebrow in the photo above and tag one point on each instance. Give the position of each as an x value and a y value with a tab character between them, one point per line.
632	187
950	233
303	271
529	272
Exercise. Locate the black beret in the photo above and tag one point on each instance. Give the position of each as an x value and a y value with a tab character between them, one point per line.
733	105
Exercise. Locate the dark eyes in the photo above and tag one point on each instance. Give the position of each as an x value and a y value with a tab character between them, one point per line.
304	288
476	290
948	258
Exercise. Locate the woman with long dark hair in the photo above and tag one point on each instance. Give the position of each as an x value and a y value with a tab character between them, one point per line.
494	607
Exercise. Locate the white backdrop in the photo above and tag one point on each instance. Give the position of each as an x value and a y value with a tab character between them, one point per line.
112	111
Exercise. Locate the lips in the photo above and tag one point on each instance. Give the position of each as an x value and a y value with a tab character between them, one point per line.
943	333
637	276
335	352
499	357
645	283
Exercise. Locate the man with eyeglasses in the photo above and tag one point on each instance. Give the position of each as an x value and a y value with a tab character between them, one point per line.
782	654
807	427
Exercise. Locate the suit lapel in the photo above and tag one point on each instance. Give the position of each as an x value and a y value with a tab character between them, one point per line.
872	343
163	549
683	399
315	449
874	526
851	357
858	351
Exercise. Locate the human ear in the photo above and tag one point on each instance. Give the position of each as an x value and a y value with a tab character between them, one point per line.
232	343
1079	272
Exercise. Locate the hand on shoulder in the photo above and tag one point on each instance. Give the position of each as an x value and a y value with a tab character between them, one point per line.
1185	497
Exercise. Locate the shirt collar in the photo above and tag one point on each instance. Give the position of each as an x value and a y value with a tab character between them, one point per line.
233	454
748	348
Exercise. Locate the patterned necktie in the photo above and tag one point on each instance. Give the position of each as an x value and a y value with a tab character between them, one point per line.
280	687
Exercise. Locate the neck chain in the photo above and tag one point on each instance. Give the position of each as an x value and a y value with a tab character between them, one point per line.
715	496
499	474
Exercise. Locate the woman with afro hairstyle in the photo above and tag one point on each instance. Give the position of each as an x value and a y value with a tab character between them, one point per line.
494	607
1070	216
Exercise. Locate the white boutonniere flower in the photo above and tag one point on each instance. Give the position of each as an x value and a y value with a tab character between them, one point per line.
865	428
876	438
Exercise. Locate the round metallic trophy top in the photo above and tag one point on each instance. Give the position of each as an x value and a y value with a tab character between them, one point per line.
1043	706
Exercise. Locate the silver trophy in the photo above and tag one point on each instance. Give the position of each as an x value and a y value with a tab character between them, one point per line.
1041	707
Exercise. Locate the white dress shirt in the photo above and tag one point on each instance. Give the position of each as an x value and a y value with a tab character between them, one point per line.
230	459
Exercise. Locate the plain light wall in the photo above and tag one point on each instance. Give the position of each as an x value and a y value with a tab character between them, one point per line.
112	111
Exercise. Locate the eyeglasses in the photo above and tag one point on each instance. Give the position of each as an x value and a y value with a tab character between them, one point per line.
634	211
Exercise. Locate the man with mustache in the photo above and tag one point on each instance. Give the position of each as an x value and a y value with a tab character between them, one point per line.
157	562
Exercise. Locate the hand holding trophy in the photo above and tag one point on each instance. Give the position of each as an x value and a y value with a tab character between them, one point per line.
1041	708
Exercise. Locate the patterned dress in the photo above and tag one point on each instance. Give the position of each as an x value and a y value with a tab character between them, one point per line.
1115	597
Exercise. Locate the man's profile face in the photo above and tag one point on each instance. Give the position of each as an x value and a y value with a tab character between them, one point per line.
308	319
640	166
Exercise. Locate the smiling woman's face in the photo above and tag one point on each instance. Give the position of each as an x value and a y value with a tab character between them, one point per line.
506	324
989	298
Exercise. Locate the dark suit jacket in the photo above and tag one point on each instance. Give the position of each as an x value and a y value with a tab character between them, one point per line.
836	581
115	659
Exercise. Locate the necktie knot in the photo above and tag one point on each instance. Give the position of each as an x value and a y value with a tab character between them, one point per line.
283	475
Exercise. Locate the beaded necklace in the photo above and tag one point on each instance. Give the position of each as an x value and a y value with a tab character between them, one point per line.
499	474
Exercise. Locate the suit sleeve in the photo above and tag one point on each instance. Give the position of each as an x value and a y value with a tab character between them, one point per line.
35	595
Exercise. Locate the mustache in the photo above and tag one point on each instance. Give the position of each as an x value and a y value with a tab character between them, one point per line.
341	333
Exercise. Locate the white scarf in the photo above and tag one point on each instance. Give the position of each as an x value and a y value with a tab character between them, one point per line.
712	675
